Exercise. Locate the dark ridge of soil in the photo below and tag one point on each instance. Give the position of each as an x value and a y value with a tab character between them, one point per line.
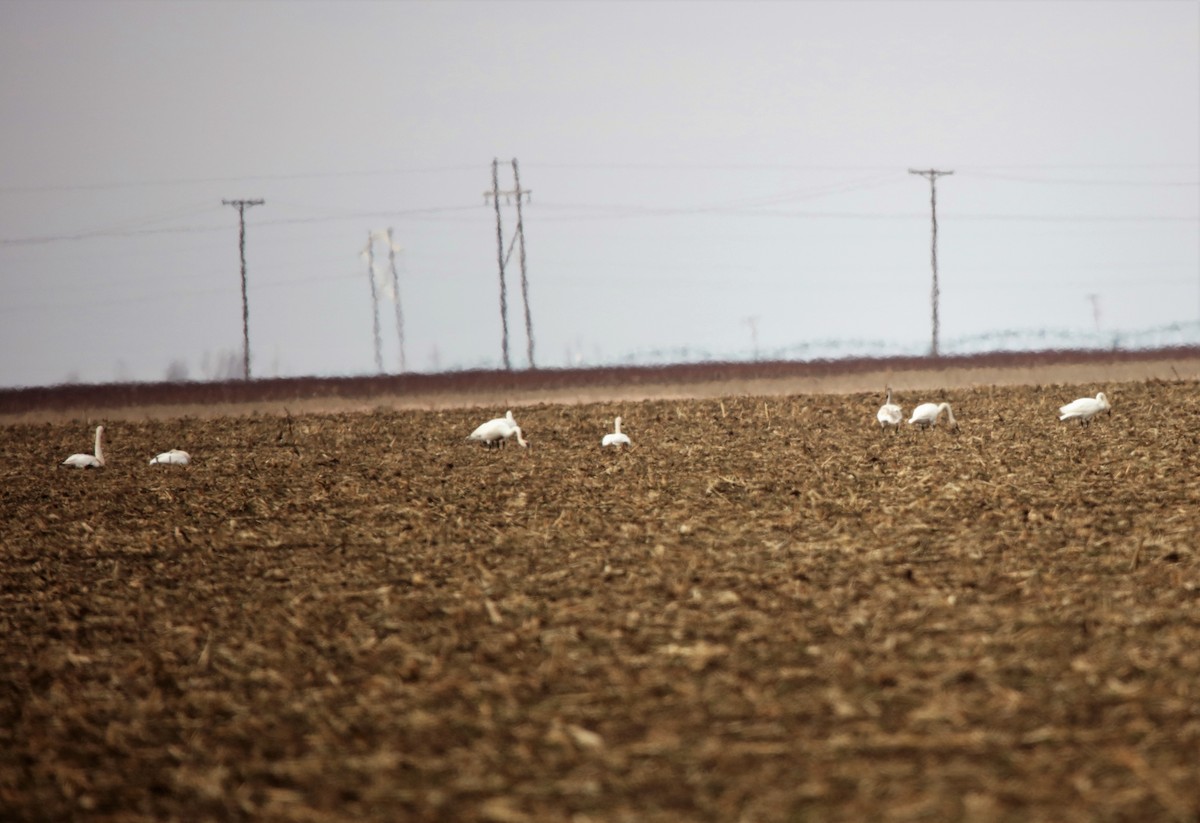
113	395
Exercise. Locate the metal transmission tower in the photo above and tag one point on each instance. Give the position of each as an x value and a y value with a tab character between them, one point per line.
933	175
368	254
752	322
396	297
502	256
241	206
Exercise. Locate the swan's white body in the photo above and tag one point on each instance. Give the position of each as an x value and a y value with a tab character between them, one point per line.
89	461
496	432
174	457
927	414
1085	408
616	438
889	414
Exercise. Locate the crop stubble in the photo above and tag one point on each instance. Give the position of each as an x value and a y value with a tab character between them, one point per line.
765	610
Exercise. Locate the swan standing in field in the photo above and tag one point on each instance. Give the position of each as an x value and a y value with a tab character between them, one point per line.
889	414
1085	408
495	432
89	461
616	438
174	457
927	414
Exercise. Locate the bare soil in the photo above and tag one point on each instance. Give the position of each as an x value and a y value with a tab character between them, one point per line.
765	610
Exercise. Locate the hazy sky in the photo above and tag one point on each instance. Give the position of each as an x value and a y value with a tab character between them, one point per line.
707	177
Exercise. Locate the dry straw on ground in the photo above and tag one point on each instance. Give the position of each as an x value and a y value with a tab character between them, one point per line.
765	610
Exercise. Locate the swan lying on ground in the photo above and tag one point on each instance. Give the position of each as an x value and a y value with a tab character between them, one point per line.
174	457
89	461
1085	408
927	414
495	432
616	438
889	413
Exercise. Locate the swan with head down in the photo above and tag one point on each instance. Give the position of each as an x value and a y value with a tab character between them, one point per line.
494	433
926	415
889	414
174	457
1085	408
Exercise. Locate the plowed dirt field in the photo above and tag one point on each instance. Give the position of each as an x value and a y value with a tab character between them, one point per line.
765	610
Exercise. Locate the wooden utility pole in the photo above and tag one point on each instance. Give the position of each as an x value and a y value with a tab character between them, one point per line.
521	246
374	301
495	195
241	206
1095	300
933	175
502	257
396	290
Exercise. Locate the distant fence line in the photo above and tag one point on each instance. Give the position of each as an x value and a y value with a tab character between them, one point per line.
1169	336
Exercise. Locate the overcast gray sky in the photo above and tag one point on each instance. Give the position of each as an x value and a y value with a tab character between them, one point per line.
707	177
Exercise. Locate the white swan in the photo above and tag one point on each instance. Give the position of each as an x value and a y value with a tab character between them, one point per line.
1085	408
927	414
496	432
889	413
174	457
616	438
89	461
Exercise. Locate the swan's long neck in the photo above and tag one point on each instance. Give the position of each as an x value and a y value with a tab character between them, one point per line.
617	425
520	439
99	446
889	398
949	414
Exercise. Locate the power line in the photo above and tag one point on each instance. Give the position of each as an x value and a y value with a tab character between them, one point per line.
615	211
827	279
1083	166
192	181
287	221
1009	178
241	206
809	167
667	167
